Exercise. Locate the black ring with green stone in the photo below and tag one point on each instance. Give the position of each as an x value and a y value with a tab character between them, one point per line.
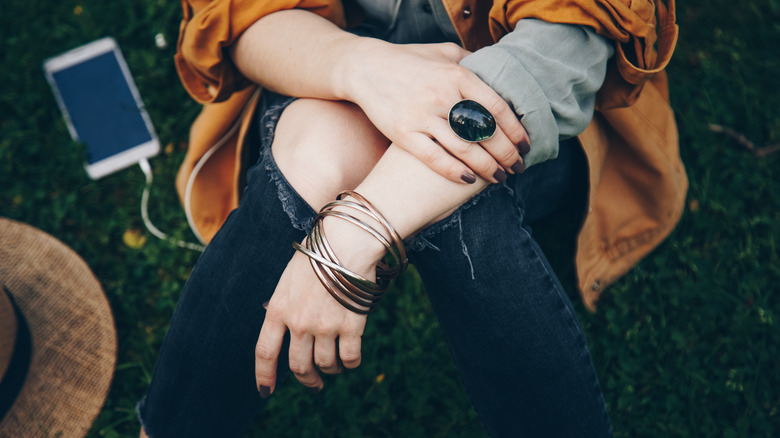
471	121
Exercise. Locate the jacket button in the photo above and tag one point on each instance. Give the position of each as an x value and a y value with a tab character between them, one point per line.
466	12
596	286
427	8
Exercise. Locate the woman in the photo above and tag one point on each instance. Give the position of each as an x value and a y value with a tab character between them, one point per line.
380	117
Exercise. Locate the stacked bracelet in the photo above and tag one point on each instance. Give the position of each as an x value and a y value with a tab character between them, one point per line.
352	290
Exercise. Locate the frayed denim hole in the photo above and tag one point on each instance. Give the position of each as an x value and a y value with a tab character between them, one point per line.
421	240
300	213
269	109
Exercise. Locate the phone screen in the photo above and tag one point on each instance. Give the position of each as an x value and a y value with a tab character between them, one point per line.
101	107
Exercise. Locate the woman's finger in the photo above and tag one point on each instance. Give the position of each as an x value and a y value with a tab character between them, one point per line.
302	359
425	149
504	151
474	155
506	119
269	345
325	355
349	350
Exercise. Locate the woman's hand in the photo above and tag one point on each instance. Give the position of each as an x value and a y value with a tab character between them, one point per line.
323	333
407	92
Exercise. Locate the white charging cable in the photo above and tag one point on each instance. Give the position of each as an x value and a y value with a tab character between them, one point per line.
147	169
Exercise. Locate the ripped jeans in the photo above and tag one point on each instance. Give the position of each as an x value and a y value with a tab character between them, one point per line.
510	326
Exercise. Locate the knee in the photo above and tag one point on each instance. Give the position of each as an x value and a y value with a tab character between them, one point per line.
324	147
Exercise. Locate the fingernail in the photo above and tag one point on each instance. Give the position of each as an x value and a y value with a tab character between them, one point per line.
500	175
468	177
264	391
518	167
265	304
523	147
315	390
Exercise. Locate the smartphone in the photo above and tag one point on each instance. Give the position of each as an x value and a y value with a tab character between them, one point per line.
102	107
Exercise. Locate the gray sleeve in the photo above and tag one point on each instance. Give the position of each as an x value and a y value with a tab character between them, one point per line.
549	73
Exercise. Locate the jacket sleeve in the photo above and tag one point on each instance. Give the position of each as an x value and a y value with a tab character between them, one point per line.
209	27
550	74
644	30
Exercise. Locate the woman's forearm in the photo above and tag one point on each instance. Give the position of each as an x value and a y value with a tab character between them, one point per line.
409	194
296	53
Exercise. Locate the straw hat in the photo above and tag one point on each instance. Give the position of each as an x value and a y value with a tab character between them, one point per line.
57	337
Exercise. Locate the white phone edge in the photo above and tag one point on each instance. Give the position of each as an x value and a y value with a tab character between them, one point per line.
78	55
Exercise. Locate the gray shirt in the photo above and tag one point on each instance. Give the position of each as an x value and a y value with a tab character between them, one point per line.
548	72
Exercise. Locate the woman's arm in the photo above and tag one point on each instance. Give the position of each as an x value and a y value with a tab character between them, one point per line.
405	90
322	332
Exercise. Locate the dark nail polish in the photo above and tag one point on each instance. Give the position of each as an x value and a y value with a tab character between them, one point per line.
315	390
500	175
469	177
264	391
523	147
518	167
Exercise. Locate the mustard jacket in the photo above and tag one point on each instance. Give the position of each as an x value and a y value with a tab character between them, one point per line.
637	181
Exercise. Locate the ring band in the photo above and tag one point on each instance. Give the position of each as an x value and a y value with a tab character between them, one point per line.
471	121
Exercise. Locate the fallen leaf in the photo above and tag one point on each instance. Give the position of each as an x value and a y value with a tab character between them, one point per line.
134	238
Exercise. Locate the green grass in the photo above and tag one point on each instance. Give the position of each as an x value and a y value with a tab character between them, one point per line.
686	345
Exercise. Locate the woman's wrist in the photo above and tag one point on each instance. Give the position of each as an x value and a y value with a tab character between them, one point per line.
350	75
355	248
345	71
354	271
410	194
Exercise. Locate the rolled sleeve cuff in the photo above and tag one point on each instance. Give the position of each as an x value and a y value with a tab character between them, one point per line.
498	68
550	74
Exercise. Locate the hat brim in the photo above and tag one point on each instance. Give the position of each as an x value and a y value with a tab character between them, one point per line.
72	329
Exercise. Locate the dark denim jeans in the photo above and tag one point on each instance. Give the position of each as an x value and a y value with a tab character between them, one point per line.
512	330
